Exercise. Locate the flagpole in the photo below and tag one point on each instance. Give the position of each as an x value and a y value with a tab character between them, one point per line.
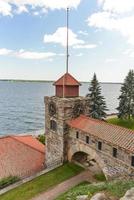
67	50
67	53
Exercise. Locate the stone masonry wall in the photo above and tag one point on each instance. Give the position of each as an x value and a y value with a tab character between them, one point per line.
54	140
112	167
57	141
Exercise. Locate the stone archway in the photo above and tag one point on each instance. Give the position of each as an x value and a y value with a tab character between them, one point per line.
87	162
82	153
80	157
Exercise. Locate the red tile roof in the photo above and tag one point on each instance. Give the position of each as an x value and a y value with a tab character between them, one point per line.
21	156
68	80
116	135
30	141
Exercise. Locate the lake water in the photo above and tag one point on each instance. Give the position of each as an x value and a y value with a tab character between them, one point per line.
22	104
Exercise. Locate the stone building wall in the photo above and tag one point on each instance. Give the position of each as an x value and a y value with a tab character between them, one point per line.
111	166
61	144
54	139
57	141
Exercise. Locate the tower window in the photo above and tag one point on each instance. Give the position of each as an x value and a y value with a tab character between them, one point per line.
115	152
53	125
87	139
132	161
99	145
77	134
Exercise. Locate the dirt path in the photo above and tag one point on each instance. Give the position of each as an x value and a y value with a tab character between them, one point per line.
65	186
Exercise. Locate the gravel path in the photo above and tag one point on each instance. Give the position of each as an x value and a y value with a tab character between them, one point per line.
54	192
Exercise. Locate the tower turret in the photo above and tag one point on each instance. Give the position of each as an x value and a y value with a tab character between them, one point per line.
67	86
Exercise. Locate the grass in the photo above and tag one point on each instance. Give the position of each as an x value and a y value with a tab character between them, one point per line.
42	183
116	189
4	182
122	122
100	177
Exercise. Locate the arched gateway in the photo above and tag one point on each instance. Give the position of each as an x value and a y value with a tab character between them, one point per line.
92	163
69	130
85	155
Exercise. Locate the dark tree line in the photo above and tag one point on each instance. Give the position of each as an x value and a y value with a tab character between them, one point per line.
126	99
97	105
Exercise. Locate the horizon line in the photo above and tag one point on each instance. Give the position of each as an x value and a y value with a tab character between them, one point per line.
33	80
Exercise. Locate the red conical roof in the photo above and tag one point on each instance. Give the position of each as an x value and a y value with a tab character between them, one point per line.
68	80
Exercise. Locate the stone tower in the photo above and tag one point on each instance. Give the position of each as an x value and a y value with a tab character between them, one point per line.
65	105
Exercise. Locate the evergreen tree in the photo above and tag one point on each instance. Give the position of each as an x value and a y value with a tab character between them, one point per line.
126	99
97	105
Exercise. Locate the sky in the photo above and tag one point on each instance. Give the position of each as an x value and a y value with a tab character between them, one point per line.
33	39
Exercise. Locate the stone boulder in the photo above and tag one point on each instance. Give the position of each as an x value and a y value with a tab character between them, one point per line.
129	195
99	196
82	197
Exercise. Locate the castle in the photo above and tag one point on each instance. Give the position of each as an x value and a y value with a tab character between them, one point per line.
71	133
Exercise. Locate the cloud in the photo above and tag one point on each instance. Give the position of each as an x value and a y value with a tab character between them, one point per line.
7	6
4	52
59	37
115	15
83	32
85	46
21	9
23	54
36	13
34	55
44	10
117	6
114	22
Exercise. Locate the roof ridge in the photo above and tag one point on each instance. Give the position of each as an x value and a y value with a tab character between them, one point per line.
72	77
5	136
66	75
100	121
58	79
13	135
15	138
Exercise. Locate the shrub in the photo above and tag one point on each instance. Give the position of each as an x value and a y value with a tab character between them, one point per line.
41	138
4	182
100	177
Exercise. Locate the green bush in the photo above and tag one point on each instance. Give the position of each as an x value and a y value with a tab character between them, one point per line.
116	189
100	177
41	138
4	182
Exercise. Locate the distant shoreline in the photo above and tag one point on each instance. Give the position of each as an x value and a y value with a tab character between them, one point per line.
38	81
46	81
33	133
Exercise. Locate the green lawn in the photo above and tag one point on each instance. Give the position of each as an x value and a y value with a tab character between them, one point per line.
100	177
42	183
116	189
122	122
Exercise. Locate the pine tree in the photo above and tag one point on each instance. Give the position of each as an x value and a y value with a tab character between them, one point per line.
126	99
97	105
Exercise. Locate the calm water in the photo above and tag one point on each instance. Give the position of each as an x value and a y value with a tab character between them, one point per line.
22	104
